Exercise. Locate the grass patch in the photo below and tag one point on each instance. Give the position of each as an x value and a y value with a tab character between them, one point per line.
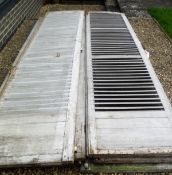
164	17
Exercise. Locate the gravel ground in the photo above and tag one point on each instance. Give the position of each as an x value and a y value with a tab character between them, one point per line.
68	170
160	49
63	171
134	8
57	7
11	50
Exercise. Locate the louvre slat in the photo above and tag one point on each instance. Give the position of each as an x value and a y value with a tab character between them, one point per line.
126	99
125	87
122	91
136	108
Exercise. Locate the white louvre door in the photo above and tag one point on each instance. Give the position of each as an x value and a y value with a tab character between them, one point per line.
128	112
38	105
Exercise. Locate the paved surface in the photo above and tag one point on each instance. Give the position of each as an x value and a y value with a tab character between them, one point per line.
138	8
157	3
134	8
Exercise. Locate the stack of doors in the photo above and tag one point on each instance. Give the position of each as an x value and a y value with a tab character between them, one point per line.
71	97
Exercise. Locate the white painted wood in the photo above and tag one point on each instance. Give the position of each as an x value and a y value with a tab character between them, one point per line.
38	100
37	136
154	77
122	123
68	152
49	159
81	107
91	123
126	132
119	138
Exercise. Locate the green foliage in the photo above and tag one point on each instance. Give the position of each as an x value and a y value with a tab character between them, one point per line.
164	17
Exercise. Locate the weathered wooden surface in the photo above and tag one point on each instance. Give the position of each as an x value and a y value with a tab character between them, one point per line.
139	131
38	105
81	108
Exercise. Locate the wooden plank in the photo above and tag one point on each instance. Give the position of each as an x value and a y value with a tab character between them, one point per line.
37	136
30	118
81	109
91	124
137	139
68	152
123	123
51	159
158	168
